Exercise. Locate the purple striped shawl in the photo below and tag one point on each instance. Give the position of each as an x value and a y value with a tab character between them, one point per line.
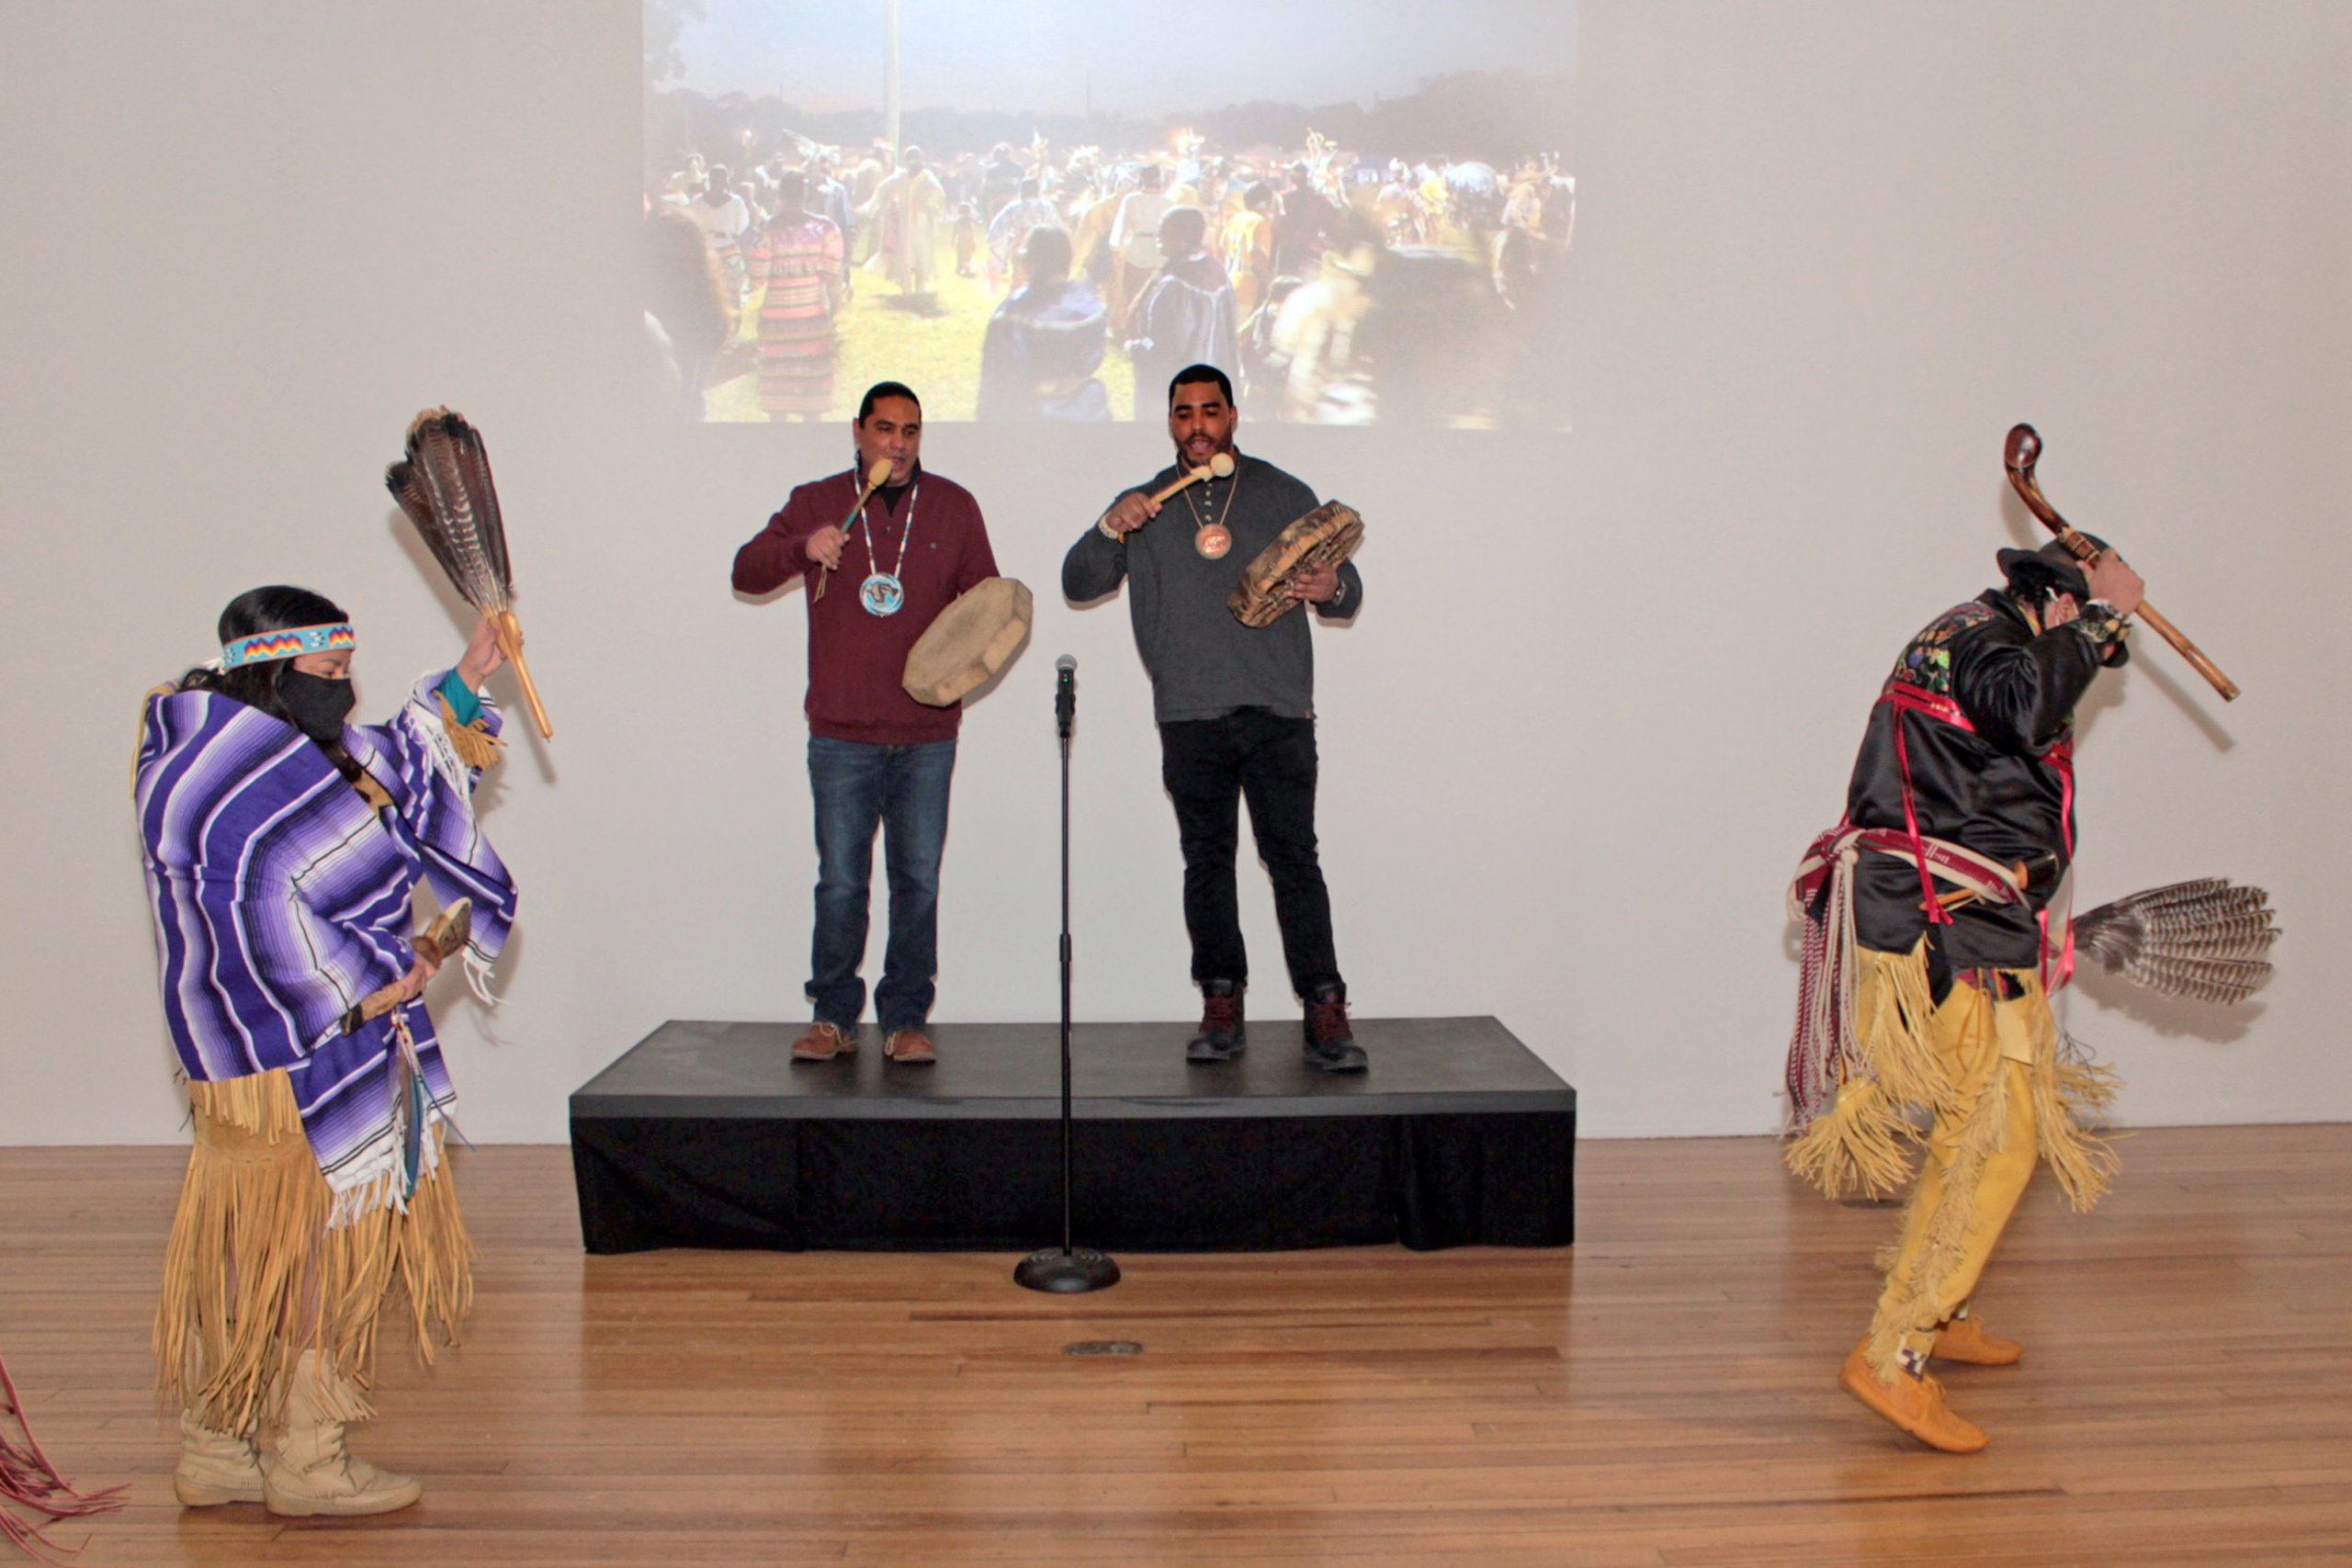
280	899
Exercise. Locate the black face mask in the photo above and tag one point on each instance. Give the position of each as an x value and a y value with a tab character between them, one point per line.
316	703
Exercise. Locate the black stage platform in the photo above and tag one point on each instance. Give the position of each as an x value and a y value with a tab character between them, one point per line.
706	1135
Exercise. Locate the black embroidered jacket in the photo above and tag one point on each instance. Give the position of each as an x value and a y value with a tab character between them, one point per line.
1995	774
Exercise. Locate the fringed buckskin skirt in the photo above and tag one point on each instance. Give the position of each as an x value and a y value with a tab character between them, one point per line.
254	1275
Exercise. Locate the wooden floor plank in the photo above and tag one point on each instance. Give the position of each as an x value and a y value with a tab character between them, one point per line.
1662	1395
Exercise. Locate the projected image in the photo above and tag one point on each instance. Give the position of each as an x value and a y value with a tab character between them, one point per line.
1039	210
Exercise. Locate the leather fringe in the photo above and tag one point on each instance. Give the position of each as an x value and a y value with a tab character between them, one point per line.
475	745
255	1274
2070	1098
1857	1149
1981	1136
1864	1146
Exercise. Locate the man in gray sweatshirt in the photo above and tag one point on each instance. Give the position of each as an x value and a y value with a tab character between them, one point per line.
1236	707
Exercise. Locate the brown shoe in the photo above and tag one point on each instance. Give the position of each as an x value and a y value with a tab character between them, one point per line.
911	1046
823	1043
1964	1340
1916	1405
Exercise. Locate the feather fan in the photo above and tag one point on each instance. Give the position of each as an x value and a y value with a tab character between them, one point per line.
2205	939
443	487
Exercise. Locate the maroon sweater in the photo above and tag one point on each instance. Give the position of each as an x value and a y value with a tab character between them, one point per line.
856	660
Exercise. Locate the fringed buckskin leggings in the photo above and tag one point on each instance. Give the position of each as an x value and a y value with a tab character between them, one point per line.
255	1274
2006	1100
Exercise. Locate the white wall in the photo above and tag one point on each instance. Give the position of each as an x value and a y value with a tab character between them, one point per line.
1605	688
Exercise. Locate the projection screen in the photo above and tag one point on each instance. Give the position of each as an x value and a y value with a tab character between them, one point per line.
1362	211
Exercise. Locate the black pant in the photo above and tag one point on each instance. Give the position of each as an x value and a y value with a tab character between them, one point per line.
1209	765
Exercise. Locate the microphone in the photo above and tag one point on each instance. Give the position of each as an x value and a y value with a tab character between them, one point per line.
1067	1268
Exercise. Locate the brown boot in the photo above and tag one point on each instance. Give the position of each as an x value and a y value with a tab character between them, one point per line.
215	1467
911	1046
823	1043
1962	1339
1916	1405
306	1470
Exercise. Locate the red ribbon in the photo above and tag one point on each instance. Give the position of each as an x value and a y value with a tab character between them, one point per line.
1905	698
2062	757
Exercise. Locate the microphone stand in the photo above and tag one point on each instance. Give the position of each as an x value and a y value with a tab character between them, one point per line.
1065	1270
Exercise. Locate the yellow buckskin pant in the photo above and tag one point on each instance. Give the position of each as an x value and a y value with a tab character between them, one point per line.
2002	1100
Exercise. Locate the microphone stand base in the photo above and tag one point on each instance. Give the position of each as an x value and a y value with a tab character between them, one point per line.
1065	1273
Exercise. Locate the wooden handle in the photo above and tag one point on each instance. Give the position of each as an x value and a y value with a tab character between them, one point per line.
448	933
875	479
1195	477
2075	540
2188	651
2022	450
510	639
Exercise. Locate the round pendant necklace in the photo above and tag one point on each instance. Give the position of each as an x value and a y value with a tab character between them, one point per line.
882	594
1210	538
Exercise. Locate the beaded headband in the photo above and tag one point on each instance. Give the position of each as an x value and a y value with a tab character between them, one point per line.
262	646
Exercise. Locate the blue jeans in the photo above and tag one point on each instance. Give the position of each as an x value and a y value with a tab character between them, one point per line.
903	791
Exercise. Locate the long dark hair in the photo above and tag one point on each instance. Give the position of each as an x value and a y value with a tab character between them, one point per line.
276	608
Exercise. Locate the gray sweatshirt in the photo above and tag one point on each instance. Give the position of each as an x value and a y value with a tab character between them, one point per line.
1203	663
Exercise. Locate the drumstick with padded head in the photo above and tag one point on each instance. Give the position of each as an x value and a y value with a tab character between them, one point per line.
1217	468
874	478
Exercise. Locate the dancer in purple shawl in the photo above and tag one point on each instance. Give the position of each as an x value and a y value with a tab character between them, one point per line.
282	847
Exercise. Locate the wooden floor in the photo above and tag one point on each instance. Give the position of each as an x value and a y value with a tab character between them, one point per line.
1665	1393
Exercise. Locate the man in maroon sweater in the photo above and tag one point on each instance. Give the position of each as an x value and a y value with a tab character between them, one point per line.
876	757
